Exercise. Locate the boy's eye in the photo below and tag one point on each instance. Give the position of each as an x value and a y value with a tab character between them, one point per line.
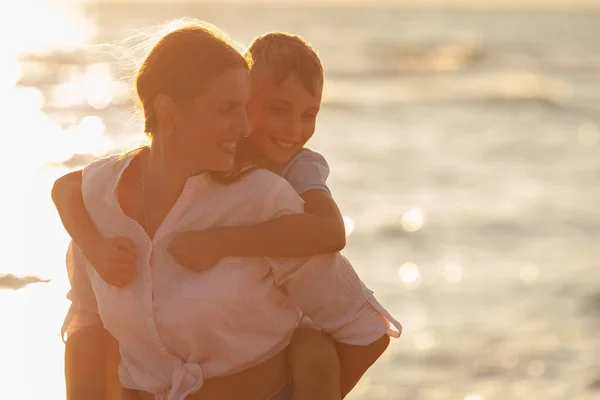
278	110
229	107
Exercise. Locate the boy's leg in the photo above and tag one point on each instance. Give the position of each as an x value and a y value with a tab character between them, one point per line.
91	365
114	390
85	364
315	366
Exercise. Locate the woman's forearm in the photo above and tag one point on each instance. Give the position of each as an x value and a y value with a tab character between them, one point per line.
67	197
297	235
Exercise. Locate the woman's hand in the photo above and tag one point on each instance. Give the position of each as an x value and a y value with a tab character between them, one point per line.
113	258
198	250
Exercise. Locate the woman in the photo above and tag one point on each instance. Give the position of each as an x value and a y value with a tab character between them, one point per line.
287	82
217	333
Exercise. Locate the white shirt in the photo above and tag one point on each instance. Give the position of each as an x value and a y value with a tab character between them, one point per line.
176	327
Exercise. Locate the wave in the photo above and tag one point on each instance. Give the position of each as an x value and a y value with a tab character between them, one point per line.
13	282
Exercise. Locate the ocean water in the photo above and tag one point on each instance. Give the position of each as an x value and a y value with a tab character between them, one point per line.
465	154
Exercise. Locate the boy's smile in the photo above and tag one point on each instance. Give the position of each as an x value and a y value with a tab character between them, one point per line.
283	117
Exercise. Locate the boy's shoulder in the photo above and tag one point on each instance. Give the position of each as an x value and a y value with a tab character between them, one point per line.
259	188
305	157
307	170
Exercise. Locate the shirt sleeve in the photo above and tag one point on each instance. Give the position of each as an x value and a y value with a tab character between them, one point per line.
327	289
308	171
83	311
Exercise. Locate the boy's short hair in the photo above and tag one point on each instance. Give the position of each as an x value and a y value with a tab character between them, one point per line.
277	55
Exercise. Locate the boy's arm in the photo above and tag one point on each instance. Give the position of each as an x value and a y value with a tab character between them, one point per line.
113	258
320	230
67	197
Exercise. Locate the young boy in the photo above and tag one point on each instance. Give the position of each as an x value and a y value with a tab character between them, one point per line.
287	79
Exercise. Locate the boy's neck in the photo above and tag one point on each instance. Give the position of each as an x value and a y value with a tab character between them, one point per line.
250	154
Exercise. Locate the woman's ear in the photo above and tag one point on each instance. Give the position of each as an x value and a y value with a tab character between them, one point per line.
165	109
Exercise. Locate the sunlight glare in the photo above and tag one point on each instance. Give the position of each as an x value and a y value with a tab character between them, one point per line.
412	220
69	93
99	86
88	136
409	274
11	72
426	341
31	362
349	224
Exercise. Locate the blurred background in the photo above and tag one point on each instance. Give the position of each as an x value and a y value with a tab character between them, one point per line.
463	138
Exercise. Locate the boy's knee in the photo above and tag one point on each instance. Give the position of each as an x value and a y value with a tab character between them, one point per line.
314	353
315	366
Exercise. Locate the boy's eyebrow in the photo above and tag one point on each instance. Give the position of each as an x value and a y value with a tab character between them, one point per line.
288	104
278	100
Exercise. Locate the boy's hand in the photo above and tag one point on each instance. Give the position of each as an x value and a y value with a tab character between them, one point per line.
197	250
114	260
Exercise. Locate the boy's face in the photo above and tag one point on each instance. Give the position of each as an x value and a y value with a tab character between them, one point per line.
282	117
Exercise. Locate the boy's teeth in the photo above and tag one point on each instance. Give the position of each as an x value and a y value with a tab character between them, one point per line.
285	145
229	145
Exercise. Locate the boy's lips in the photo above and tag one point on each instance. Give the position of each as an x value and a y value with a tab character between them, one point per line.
283	144
229	145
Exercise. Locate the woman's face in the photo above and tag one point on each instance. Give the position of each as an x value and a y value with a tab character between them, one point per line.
283	118
206	131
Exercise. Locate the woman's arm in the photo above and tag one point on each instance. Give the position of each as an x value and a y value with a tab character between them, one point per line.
113	258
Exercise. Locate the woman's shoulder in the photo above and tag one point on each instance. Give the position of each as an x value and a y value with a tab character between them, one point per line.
106	168
262	180
263	187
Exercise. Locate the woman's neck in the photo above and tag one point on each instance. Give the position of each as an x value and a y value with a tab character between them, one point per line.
166	170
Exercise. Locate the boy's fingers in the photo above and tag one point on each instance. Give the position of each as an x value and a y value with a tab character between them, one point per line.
126	245
126	257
